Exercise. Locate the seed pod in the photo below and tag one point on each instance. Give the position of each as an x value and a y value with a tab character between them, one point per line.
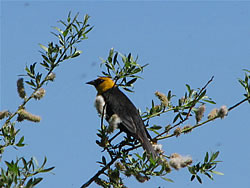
222	111
163	98
39	94
213	113
4	114
188	129
24	115
200	112
177	131
51	76
20	88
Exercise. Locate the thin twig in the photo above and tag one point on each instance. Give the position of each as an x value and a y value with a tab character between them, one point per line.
45	79
189	111
117	134
204	122
160	138
234	106
100	172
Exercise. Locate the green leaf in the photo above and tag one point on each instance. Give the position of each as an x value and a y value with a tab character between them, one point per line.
192	177
188	88
246	70
209	175
191	170
137	155
131	82
199	179
86	17
167	179
206	158
46	65
24	162
20	142
246	78
115	58
43	47
35	160
218	173
202	95
169	95
37	180
209	101
58	29
155	127
105	74
88	30
77	53
47	169
69	17
129	90
31	82
65	32
214	156
176	117
9	165
144	156
44	162
104	160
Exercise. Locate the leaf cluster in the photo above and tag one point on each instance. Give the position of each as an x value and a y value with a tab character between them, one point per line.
73	32
8	133
122	68
22	173
246	84
206	168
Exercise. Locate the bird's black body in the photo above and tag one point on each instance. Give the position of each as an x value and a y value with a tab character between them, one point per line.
118	103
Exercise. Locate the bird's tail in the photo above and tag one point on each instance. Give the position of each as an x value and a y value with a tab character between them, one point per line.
148	147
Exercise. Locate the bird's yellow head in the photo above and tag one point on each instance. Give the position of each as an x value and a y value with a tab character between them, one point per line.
102	84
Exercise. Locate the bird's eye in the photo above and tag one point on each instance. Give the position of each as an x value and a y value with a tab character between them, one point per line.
99	81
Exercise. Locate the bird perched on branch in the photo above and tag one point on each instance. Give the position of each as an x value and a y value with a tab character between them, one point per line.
117	109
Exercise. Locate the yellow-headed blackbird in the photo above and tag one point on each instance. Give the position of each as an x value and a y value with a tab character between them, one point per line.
114	104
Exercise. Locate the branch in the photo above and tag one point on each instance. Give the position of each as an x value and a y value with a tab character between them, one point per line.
204	122
100	172
189	111
239	103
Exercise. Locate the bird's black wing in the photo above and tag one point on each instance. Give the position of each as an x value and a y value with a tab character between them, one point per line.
131	122
118	103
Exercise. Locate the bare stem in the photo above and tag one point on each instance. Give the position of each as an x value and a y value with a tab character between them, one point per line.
239	103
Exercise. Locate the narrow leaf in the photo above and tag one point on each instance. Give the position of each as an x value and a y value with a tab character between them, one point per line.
167	179
192	177
43	47
206	158
47	169
199	179
218	173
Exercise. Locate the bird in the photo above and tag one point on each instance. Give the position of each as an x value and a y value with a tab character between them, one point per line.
117	108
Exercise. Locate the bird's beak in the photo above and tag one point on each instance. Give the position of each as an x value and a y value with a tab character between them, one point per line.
91	82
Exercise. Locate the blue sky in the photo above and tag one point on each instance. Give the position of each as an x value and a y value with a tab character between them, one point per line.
183	42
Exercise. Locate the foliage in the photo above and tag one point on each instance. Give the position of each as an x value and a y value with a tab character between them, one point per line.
22	172
121	71
121	160
206	168
246	85
18	174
